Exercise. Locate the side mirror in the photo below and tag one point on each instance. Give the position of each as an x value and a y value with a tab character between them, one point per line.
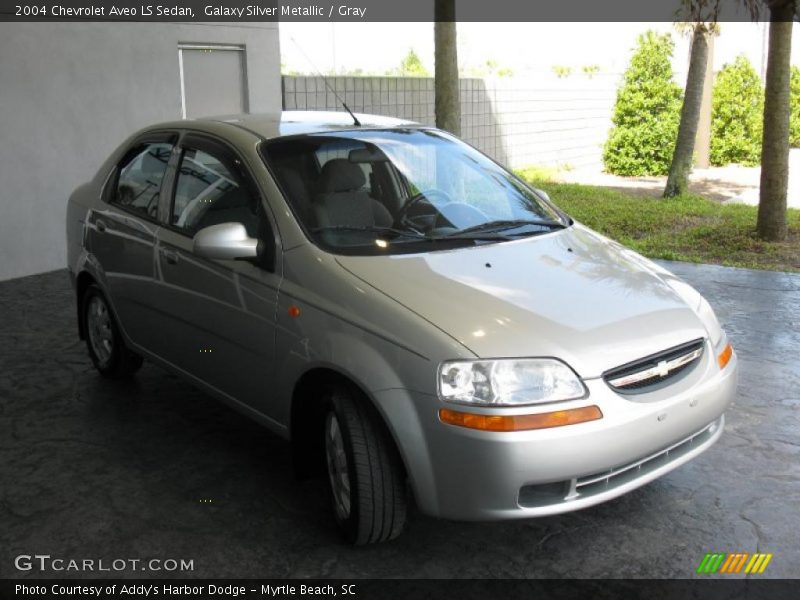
226	241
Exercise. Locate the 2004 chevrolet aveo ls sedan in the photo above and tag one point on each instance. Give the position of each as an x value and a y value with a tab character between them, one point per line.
411	315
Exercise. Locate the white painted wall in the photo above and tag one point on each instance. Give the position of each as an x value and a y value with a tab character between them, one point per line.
71	92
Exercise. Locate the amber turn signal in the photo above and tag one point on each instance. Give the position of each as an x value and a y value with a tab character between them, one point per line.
557	418
725	356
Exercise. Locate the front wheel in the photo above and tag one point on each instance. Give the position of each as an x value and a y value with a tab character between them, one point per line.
365	473
106	347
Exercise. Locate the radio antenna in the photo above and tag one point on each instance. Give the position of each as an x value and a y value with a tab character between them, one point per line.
356	122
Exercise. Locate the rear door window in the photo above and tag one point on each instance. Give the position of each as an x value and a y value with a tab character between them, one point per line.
140	175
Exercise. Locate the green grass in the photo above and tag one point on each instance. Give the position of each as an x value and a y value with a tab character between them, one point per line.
688	228
541	173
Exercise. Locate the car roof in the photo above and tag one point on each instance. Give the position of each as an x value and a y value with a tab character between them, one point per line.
298	122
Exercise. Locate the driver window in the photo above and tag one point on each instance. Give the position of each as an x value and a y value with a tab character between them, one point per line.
208	192
140	175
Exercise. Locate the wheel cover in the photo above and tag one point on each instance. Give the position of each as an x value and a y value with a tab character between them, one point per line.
337	466
101	335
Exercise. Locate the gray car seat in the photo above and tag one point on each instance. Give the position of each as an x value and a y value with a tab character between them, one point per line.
343	202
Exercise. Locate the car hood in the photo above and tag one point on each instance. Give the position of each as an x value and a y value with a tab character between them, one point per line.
572	294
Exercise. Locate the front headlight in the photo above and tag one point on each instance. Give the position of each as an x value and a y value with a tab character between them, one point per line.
508	382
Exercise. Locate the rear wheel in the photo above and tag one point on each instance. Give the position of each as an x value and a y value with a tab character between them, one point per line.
106	347
365	473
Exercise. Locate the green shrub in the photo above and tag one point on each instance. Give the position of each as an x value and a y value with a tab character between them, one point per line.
794	124
647	112
737	115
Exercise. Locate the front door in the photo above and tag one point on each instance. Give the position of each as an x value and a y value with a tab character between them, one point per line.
221	313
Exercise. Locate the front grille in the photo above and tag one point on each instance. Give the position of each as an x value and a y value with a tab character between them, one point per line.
619	475
646	373
564	492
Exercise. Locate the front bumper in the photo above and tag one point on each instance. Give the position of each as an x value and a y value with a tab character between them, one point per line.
467	474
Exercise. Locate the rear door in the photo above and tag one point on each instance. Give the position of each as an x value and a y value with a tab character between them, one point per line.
122	235
220	313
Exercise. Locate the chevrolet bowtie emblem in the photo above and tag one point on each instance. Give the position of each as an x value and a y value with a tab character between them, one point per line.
663	370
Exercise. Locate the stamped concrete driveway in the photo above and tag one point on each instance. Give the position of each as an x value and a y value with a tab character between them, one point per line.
152	468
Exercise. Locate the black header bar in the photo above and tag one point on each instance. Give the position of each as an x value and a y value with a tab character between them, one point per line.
362	10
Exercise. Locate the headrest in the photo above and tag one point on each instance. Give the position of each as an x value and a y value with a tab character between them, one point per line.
340	175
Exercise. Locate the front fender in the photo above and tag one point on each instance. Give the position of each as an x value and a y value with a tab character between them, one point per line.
316	340
327	317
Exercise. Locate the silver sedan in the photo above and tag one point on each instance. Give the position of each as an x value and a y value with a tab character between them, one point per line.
412	316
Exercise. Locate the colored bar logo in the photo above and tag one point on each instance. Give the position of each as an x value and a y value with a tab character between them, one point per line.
736	562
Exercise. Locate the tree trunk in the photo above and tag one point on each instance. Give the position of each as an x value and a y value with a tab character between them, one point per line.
775	150
681	167
448	107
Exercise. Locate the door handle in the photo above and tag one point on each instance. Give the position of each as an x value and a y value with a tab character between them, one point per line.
100	224
169	256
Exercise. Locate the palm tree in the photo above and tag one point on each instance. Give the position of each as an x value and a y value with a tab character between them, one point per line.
703	15
775	148
448	107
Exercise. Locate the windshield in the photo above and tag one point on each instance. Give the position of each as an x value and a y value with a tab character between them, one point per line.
402	190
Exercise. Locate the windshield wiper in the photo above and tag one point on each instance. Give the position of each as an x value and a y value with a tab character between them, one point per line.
472	234
504	225
373	229
411	234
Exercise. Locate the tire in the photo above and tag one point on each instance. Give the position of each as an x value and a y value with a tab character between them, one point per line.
373	506
107	349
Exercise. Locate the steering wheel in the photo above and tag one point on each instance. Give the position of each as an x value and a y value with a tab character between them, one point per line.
465	214
402	214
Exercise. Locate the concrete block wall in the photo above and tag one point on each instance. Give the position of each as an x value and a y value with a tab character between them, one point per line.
410	98
552	121
518	121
